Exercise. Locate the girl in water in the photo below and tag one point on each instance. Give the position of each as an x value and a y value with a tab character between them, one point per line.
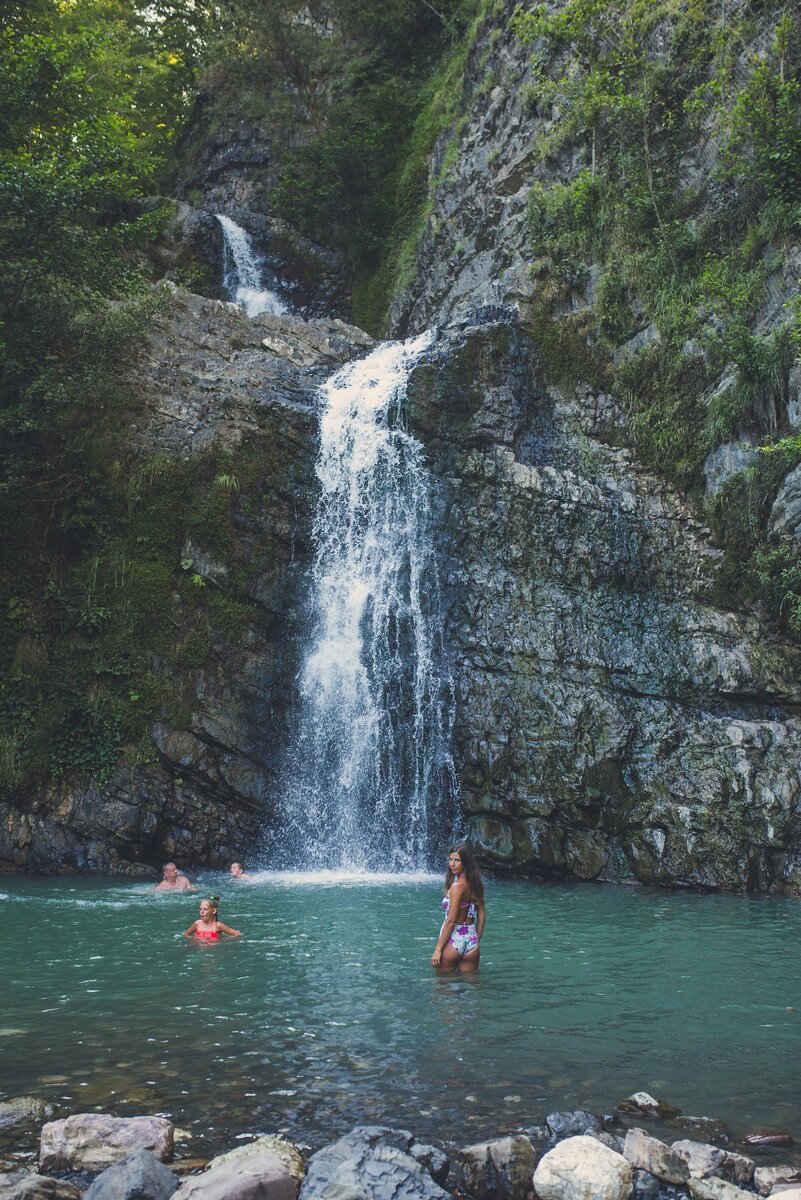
208	927
458	942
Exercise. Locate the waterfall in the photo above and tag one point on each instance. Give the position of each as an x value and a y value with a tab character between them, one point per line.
369	781
242	272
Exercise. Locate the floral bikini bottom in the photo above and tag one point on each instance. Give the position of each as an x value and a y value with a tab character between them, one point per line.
463	939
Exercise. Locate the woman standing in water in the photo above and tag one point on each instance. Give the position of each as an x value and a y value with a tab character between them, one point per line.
458	942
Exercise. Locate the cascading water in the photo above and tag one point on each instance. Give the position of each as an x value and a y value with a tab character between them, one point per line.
369	782
242	272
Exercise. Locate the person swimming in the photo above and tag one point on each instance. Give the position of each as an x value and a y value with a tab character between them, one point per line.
239	872
208	927
465	915
174	880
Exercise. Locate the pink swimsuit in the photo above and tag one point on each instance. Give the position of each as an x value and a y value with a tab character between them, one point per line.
202	932
464	937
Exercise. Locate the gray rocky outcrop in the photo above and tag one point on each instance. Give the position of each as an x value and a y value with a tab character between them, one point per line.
581	1168
139	1177
373	1162
95	1141
612	722
498	1170
785	516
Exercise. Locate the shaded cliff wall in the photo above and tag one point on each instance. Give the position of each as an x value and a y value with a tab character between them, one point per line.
612	721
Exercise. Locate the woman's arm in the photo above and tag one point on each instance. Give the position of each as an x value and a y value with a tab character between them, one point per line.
228	929
481	920
455	894
188	932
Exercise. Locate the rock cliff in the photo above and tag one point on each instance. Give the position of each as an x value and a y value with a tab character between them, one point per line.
615	720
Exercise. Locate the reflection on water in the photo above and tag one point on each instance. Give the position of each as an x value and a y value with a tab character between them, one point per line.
326	1013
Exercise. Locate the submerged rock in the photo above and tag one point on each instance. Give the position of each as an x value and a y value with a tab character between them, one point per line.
24	1108
645	1105
581	1168
499	1170
768	1137
94	1141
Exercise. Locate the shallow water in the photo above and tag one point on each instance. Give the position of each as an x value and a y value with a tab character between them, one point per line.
327	1014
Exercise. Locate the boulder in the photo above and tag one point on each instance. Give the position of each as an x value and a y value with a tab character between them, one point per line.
642	1104
582	1168
647	1153
252	1172
717	1189
499	1170
94	1141
18	1185
140	1177
571	1124
372	1162
768	1178
791	1193
704	1160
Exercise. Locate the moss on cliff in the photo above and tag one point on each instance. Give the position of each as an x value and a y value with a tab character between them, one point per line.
672	225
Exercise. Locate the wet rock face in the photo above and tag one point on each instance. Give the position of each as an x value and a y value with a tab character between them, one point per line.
612	723
473	248
210	379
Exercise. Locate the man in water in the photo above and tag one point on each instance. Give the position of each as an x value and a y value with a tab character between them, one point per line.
173	881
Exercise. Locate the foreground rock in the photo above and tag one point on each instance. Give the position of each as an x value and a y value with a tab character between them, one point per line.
717	1189
374	1162
768	1178
499	1170
253	1172
647	1153
140	1177
582	1168
95	1141
705	1161
18	1185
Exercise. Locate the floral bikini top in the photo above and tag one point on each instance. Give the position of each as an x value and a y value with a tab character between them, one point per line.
472	911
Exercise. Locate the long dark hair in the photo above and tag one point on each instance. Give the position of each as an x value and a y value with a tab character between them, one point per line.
470	868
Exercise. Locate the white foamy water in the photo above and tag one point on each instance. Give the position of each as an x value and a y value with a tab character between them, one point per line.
242	272
370	766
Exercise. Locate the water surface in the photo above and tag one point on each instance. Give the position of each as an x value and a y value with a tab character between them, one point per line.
327	1013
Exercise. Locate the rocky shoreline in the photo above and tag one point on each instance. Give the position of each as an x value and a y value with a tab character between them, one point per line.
574	1155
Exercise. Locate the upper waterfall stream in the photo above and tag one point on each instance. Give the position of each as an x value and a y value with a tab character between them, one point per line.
243	272
369	773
